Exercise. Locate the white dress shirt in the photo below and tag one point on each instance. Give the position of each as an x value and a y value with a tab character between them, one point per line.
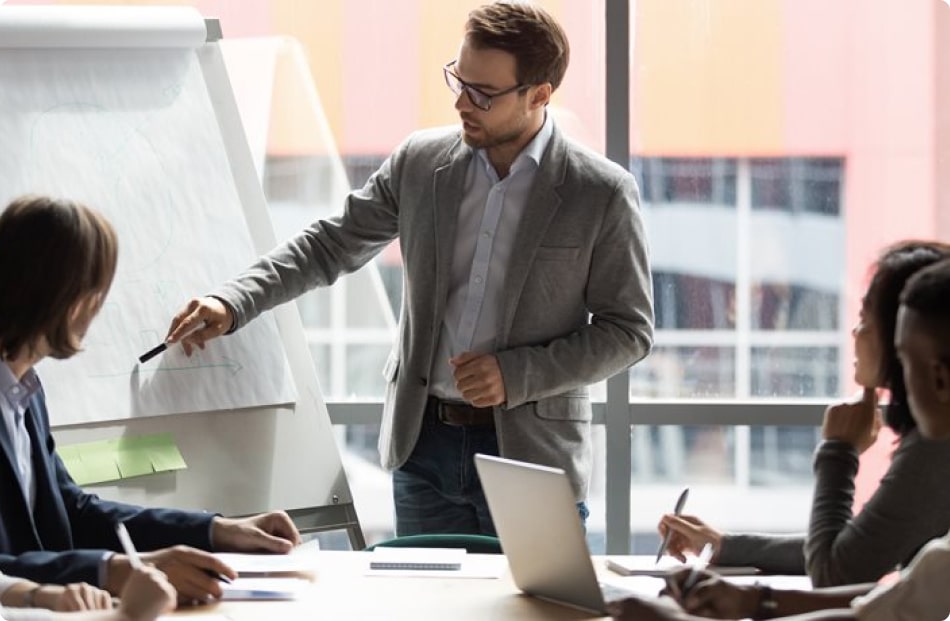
487	224
921	594
14	399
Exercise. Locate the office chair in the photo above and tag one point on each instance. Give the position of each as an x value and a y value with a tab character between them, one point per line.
473	544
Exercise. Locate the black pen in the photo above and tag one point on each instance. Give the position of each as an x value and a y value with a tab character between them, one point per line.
217	576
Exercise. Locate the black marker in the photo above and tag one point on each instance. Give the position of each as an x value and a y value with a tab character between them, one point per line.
162	347
153	352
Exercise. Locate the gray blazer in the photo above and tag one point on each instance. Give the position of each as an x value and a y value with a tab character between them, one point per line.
577	303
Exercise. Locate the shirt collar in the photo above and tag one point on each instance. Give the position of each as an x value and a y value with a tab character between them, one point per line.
17	393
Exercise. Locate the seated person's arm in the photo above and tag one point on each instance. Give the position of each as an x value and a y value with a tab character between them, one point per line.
717	598
79	596
146	596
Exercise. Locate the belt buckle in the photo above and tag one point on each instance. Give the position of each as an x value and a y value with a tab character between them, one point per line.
444	417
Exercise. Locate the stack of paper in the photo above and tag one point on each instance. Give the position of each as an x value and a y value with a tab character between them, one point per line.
641	565
264	588
271	565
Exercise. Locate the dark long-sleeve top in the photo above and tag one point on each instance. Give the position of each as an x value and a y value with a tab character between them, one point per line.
910	507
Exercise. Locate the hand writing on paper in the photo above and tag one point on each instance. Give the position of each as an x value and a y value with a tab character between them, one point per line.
212	311
189	570
856	422
711	596
147	595
478	378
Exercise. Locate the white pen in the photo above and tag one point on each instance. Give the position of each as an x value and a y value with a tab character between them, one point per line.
680	503
699	564
126	542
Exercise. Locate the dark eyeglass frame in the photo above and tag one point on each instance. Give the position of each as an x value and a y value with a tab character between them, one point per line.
479	98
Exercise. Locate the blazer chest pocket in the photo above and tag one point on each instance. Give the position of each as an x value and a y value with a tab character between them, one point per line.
558	253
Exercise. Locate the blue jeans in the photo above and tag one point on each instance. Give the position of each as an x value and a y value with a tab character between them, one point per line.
437	490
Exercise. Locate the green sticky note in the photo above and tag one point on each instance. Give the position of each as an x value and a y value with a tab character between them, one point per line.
68	453
133	462
167	457
121	458
99	465
76	469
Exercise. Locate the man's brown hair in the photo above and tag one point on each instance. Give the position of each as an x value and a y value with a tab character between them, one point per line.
54	254
528	33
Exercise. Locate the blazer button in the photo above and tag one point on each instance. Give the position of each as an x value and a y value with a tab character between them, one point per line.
424	381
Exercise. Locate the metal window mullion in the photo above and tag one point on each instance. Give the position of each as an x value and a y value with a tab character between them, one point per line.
617	42
743	310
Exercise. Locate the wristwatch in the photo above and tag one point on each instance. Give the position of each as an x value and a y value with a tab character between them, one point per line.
767	605
30	595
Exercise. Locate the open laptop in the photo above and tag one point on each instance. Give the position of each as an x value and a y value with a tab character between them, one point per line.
535	514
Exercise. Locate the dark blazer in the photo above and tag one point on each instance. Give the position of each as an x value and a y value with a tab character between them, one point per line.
65	538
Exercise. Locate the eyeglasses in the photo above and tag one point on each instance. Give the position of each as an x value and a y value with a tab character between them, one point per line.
479	98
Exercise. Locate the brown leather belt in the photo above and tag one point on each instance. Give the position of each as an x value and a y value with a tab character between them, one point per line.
460	414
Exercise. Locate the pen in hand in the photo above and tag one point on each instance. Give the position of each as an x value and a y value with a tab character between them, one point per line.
127	546
699	564
164	345
680	503
136	562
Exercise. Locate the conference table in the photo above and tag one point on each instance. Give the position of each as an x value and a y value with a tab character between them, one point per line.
343	588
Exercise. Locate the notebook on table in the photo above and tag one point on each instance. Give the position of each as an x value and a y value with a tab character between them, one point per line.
646	565
536	518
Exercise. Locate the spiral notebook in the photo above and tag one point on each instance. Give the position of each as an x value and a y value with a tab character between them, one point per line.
422	559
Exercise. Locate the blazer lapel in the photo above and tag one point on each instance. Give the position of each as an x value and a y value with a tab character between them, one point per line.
7	443
448	185
49	515
543	202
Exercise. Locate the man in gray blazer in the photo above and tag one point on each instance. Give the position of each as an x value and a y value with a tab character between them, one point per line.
526	278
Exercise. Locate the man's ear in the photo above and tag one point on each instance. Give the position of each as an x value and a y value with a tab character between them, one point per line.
541	95
941	380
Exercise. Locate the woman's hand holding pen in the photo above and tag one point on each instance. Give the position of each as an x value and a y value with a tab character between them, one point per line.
688	534
186	326
711	596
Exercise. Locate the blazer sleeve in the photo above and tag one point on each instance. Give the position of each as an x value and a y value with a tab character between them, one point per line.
319	254
91	521
55	567
910	507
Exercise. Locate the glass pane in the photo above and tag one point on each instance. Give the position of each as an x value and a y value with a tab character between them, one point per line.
765	489
792	307
795	371
687	302
782	455
673	453
363	378
681	372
